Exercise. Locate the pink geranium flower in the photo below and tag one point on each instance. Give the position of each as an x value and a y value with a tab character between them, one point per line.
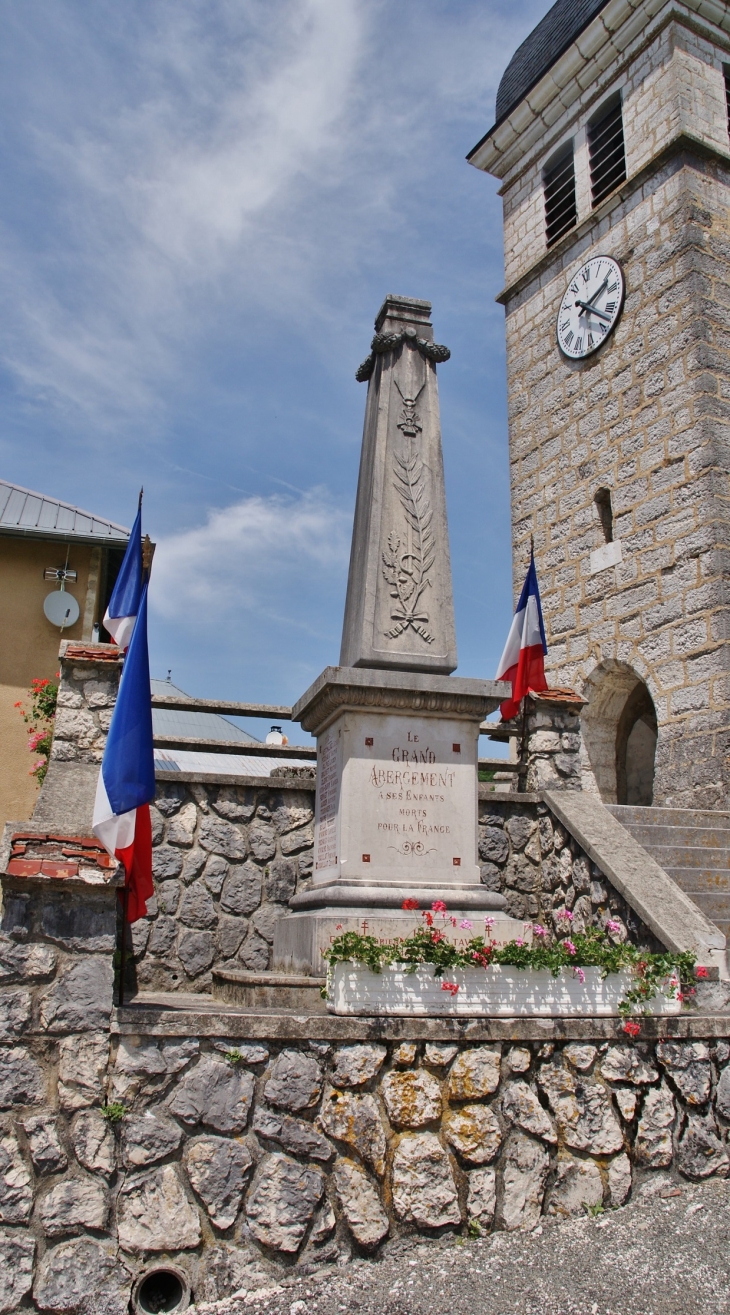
570	947
613	926
465	925
566	915
578	972
537	930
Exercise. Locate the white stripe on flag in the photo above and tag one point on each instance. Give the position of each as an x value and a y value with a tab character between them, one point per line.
524	632
115	832
120	628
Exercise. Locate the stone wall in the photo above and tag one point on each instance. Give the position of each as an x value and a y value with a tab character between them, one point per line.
529	856
235	1148
226	861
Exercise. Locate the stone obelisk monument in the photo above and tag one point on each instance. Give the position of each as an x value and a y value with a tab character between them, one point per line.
397	734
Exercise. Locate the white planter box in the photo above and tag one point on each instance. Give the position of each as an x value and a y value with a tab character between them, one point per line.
497	992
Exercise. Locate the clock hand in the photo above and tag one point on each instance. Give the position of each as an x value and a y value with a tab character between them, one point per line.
597	294
593	310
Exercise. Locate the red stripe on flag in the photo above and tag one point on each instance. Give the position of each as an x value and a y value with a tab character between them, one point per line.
527	674
137	860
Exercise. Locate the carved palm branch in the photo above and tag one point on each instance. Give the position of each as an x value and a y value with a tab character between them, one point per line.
407	573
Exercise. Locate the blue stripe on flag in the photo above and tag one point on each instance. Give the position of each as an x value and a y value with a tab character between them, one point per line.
128	767
128	588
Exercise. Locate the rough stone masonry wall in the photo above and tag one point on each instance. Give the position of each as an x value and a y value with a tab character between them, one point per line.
527	855
230	1156
226	861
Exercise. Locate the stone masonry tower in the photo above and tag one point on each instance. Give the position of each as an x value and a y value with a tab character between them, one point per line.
611	143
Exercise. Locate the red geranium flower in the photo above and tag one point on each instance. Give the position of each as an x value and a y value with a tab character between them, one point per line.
701	972
632	1029
409	904
450	986
438	906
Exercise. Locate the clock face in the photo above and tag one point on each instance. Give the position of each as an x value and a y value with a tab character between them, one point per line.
591	307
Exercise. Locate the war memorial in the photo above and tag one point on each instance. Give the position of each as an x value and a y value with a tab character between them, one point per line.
221	1092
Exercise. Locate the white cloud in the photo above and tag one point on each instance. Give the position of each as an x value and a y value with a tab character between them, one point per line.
265	556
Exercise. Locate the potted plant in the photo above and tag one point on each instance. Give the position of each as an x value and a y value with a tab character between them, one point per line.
591	973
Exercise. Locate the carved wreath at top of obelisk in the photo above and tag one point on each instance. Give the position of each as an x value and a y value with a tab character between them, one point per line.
399	611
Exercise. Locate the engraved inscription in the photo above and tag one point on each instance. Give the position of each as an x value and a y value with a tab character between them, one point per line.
326	837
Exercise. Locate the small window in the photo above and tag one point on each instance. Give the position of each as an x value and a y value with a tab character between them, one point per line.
606	151
559	185
605	513
726	71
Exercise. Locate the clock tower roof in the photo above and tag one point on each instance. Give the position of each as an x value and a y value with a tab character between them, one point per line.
541	49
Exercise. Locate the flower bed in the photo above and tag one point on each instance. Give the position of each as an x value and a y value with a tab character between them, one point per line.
592	974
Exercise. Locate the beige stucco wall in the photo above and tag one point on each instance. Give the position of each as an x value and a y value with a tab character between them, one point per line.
29	648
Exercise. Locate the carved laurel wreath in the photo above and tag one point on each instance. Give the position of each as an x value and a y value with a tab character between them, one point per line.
387	342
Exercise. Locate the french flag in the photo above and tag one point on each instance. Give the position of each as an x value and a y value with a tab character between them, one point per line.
123	608
523	660
126	784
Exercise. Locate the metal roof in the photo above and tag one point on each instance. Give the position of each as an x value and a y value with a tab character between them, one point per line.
538	52
205	725
23	512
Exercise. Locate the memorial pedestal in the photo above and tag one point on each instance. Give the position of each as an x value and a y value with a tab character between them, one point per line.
396	810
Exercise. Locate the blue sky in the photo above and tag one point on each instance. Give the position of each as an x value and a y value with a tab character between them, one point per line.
204	203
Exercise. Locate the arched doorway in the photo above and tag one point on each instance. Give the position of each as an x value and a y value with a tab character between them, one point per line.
619	735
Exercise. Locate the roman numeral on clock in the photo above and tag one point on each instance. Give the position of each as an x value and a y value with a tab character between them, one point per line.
610	307
579	343
590	339
565	325
568	338
586	274
612	288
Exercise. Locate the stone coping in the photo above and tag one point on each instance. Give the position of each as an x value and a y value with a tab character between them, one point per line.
246	782
159	1016
342	689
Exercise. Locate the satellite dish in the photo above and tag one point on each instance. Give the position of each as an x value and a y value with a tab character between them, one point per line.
61	609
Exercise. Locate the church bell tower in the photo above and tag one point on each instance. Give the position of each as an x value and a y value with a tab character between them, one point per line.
611	145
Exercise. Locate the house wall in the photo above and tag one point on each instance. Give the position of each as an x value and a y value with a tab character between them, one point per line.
29	648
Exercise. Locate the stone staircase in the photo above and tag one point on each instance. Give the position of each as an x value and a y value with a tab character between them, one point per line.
693	847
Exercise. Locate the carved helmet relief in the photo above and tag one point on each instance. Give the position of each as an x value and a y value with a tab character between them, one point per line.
406	563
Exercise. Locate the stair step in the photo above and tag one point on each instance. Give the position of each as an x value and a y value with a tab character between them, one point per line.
628	813
691	879
714	905
691	836
687	856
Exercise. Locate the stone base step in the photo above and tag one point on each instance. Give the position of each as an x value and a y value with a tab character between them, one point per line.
269	990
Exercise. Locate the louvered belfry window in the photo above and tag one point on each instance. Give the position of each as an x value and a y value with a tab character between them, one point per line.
559	187
606	152
726	71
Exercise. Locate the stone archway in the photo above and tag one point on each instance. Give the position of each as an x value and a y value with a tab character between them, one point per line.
619	735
